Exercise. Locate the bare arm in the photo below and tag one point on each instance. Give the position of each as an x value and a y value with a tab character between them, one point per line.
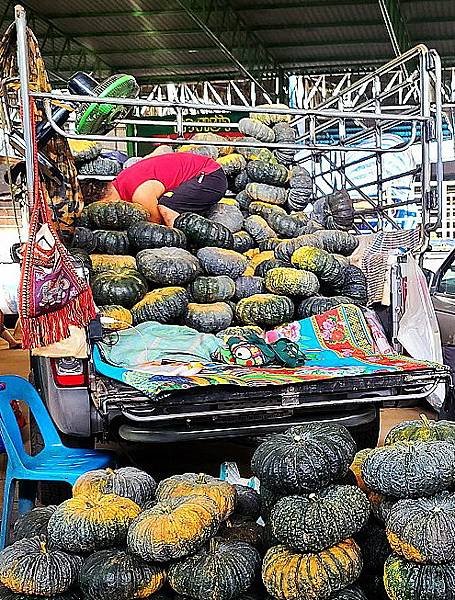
147	196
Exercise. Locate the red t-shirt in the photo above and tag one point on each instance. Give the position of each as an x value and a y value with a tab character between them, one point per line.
170	169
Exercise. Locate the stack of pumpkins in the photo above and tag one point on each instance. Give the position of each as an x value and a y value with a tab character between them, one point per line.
121	536
411	481
257	258
311	513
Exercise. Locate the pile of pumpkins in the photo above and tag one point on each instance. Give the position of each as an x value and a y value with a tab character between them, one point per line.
311	534
257	258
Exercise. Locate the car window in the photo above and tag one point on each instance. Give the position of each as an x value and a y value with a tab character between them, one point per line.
447	281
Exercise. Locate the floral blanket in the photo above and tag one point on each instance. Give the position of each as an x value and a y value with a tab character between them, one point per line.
336	344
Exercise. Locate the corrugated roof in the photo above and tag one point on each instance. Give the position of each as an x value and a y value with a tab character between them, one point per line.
157	39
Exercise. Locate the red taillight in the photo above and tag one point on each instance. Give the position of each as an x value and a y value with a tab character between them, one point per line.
69	372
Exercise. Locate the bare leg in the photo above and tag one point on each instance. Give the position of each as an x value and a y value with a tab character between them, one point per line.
168	215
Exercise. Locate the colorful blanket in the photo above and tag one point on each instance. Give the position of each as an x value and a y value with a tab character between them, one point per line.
337	344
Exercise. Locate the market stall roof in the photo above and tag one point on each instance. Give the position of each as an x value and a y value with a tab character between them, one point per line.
191	40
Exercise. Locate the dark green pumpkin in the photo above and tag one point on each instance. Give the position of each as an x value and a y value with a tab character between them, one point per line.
305	458
202	232
208	318
111	242
423	529
263	209
223	570
328	270
350	593
264	172
286	249
82	259
265	310
410	581
243	242
355	286
257	130
381	505
114	573
300	188
248	505
7	594
338	242
83	220
164	305
151	235
243	199
115	215
291	282
301	523
335	211
246	286
232	163
269	497
269	244
227	215
124	288
33	523
410	469
266	193
318	305
241	180
219	261
287	226
31	566
423	430
286	134
217	288
83	238
267	265
258	228
168	266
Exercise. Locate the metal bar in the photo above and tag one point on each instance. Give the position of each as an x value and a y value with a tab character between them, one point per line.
439	138
425	110
22	64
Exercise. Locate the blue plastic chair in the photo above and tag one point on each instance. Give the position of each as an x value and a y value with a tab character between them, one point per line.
55	462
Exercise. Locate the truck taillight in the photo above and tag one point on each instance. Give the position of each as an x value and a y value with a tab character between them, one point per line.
69	372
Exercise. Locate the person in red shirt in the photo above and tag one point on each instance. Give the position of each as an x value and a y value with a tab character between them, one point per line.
170	184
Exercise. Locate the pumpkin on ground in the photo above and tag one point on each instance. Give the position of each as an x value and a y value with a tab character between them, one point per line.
267	265
423	529
111	242
193	484
424	430
222	570
83	238
127	482
265	310
305	458
321	520
91	522
219	261
291	576
258	228
121	315
410	469
115	215
412	581
204	233
33	523
145	235
174	528
168	266
288	226
163	305
124	288
291	282
212	289
114	573
31	566
208	318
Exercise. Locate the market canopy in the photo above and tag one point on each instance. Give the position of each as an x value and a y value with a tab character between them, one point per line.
190	40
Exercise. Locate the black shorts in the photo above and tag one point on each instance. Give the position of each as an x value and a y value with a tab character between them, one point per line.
198	194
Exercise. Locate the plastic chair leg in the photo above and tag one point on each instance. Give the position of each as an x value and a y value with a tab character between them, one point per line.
27	496
7	509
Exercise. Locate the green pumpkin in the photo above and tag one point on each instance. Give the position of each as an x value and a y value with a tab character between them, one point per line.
83	238
300	188
264	209
285	134
305	458
328	270
338	242
293	576
164	305
107	262
144	235
246	286
168	266
243	200
239	331
241	179
111	242
114	573
243	242
124	288
317	305
220	571
115	215
355	285
406	580
291	282
219	261
202	232
410	469
31	566
232	164
286	249
301	522
212	289
208	318
127	482
267	265
7	594
424	430
33	523
335	211
266	193
423	529
272	118
227	215
248	505
288	226
258	228
256	129
122	316
265	310
264	172
350	593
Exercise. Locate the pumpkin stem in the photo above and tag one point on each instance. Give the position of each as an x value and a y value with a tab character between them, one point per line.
425	420
201	478
297	438
110	471
43	547
212	546
312	496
